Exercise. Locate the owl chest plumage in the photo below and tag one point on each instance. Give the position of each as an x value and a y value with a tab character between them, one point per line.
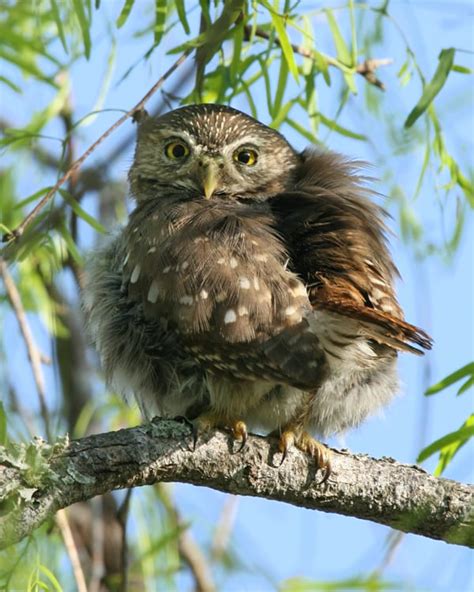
215	274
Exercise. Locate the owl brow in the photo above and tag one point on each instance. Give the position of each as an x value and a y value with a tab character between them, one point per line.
173	134
246	141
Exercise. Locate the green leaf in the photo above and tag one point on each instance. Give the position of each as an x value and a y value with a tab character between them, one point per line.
124	13
354	53
33	197
162	542
26	64
467	385
84	25
280	28
448	453
458	437
302	131
235	64
280	116
322	66
181	10
370	584
59	23
81	213
70	244
466	371
333	125
11	84
3	426
445	64
281	87
342	50
462	69
51	577
160	20
343	54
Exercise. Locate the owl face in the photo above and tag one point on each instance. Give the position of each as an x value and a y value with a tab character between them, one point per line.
209	152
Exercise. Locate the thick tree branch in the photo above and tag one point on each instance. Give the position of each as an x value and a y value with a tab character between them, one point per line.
384	491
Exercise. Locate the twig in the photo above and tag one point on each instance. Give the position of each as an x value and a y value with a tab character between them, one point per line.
122	516
197	563
63	525
394	540
97	569
34	354
20	229
366	68
188	549
224	527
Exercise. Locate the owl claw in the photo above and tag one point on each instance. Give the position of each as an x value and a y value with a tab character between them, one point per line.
239	431
209	421
319	452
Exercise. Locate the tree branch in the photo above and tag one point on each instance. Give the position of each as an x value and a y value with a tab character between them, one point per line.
366	68
384	491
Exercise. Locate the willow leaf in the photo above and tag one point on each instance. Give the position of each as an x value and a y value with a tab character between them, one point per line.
445	64
466	371
84	26
124	13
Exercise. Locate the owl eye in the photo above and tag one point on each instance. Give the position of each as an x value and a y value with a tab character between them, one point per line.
176	150
246	156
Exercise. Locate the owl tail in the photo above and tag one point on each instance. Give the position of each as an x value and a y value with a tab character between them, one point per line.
380	326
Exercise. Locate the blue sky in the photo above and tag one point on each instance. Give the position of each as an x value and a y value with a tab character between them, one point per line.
271	537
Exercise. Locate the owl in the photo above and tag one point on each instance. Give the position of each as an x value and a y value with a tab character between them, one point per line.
252	288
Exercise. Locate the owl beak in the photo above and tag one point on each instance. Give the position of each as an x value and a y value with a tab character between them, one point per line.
209	178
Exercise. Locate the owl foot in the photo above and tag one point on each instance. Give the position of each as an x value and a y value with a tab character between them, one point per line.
308	445
210	421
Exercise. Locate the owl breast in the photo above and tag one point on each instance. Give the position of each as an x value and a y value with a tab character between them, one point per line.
215	273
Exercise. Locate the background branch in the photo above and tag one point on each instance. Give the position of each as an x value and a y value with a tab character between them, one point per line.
384	491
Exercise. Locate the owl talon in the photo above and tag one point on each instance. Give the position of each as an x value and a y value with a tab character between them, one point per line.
239	431
287	440
307	444
209	421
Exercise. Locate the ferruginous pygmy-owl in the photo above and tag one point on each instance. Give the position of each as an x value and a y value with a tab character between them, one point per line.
252	285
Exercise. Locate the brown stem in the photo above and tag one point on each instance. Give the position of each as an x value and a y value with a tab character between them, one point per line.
366	68
34	353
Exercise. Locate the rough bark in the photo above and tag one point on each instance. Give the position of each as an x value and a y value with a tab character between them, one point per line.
382	490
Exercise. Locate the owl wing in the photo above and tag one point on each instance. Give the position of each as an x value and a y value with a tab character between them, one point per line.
336	238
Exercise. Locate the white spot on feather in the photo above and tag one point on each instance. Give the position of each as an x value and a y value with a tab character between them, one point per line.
135	274
290	310
244	283
151	250
153	292
204	294
187	300
233	262
230	316
243	311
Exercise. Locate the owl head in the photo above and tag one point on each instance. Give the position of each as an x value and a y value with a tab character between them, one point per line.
209	152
